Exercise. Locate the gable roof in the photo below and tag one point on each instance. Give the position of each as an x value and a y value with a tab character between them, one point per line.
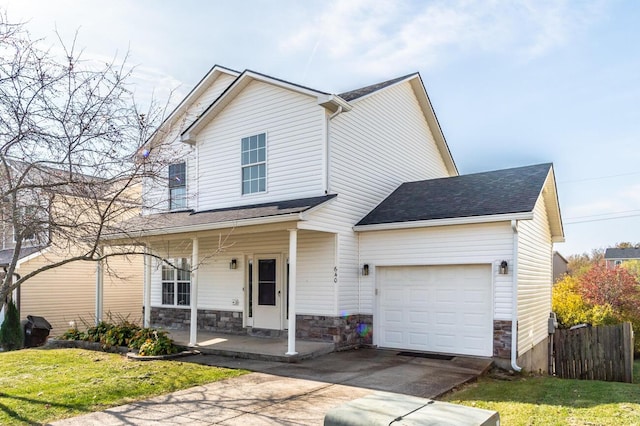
324	99
501	194
367	90
194	93
189	221
622	253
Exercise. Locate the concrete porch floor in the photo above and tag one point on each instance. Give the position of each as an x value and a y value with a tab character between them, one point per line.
251	347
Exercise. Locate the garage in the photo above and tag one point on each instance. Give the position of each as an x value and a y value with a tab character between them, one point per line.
445	309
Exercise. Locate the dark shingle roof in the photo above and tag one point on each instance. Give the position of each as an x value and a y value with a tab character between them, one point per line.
162	221
622	253
358	93
490	193
7	254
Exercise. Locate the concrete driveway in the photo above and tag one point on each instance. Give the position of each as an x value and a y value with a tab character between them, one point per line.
292	394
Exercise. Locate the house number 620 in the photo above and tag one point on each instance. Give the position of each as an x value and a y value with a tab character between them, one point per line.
335	274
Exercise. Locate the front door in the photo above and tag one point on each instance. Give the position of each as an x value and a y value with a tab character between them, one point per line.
266	293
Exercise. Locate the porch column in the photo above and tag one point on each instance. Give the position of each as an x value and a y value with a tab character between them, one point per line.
147	286
99	288
293	253
193	336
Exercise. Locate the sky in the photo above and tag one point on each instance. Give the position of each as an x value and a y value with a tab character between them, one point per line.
513	82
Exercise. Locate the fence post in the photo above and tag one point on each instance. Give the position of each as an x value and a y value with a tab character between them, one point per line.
627	349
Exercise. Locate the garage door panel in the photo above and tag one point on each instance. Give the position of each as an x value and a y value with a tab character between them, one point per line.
436	308
393	316
420	339
419	318
394	337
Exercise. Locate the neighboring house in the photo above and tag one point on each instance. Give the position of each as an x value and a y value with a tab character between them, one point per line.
66	293
560	266
348	211
617	256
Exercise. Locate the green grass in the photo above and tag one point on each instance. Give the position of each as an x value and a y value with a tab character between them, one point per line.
39	386
553	401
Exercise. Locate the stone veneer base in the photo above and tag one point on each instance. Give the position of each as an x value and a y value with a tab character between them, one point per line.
208	320
344	331
502	339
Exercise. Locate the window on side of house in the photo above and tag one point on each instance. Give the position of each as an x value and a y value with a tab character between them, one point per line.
177	186
30	223
176	282
254	164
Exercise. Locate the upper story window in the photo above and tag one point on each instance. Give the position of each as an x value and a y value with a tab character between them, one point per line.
254	164
177	186
31	225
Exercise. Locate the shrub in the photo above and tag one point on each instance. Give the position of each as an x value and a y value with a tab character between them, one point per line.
158	344
143	335
10	331
571	307
74	334
97	333
148	341
120	334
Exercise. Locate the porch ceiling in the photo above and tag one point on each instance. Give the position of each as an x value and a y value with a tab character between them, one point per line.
231	217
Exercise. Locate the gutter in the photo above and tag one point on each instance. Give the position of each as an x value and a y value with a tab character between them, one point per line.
445	222
514	301
328	148
207	226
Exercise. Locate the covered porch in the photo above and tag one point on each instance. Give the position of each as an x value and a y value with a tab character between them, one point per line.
251	347
213	278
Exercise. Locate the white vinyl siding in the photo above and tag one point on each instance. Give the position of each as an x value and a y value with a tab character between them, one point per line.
155	193
443	245
382	142
294	125
535	278
219	286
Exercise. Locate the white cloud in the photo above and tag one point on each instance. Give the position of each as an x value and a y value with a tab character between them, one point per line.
377	36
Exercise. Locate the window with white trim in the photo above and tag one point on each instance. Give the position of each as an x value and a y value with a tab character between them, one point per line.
177	186
254	164
176	282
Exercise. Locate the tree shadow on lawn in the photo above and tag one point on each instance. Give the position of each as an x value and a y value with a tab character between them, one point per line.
78	408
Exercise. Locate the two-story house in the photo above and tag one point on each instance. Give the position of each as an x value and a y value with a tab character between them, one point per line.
66	293
614	257
343	217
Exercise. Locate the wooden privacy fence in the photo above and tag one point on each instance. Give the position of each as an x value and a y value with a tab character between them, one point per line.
595	353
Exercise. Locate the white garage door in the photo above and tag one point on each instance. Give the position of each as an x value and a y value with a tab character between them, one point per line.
444	309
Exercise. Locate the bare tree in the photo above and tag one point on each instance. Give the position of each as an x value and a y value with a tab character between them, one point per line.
73	152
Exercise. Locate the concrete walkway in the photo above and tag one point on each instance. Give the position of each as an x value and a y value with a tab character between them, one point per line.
292	393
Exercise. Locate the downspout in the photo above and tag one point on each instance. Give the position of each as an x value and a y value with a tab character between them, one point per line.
514	302
328	148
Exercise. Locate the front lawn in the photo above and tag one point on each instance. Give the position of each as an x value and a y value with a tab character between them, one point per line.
553	401
42	385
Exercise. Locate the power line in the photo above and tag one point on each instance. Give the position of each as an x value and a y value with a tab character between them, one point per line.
598	178
601	219
602	214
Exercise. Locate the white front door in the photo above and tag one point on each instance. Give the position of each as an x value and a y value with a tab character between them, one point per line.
267	292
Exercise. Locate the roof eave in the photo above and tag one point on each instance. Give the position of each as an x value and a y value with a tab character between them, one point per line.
288	217
197	90
445	222
550	194
430	115
189	135
333	103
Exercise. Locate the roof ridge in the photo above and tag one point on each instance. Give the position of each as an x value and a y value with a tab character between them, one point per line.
366	90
